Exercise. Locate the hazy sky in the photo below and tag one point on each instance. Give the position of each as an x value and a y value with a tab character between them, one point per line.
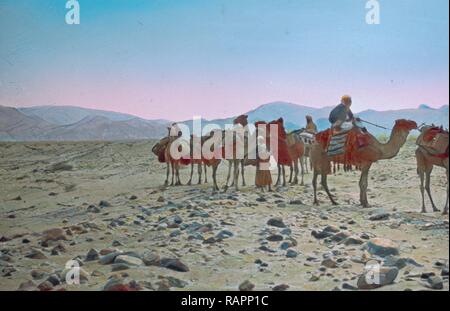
177	58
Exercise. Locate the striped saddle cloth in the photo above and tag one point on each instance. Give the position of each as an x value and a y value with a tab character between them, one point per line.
337	144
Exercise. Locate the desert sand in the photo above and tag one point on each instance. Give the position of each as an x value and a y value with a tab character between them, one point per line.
108	198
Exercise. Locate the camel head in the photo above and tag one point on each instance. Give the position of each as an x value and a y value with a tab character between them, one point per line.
405	125
242	120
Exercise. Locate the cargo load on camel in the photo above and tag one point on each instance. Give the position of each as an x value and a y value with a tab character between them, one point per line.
435	140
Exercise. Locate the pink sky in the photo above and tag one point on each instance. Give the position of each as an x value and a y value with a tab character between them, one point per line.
176	101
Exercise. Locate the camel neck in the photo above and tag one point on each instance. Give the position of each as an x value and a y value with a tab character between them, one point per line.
392	147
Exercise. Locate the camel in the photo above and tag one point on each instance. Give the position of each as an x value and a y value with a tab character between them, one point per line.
426	159
296	149
363	157
282	157
159	150
217	152
199	162
234	163
175	135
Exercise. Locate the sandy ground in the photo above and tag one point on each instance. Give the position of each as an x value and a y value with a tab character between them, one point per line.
36	196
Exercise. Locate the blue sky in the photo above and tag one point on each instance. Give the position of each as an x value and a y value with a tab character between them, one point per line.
175	59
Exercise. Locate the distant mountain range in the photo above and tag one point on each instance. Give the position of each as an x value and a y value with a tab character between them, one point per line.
74	123
68	123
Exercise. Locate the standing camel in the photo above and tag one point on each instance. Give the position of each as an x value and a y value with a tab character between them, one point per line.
238	140
296	149
282	157
199	162
159	149
214	141
426	159
362	157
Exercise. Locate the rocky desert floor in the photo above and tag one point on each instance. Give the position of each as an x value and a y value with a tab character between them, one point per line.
102	204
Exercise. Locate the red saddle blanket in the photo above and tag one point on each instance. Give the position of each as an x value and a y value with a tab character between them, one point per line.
355	140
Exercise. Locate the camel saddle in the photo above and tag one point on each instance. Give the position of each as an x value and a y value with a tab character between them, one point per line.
436	141
343	142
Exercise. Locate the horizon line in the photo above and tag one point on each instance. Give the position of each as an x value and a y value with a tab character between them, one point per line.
218	118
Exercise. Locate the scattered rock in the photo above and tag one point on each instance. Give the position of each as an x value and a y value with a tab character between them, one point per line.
55	234
280	288
379	216
246	286
45	286
119	267
93	209
224	234
377	277
109	258
434	282
27	286
351	241
329	263
291	254
382	247
173	264
36	254
296	202
276	222
275	238
92	255
103	204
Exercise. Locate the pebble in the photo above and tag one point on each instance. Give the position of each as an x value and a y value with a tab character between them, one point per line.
128	260
275	238
54	234
104	203
276	222
92	255
291	254
109	258
173	264
329	263
280	288
434	282
246	286
36	254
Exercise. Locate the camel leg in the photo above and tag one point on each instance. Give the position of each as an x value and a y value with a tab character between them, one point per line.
236	175
314	182
296	170
172	166
214	173
167	174
178	174
199	170
445	212
422	188
324	183
229	174
363	184
192	173
428	189
290	173
243	175
284	176
206	173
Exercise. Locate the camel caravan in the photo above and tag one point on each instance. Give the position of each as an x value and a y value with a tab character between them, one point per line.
268	146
